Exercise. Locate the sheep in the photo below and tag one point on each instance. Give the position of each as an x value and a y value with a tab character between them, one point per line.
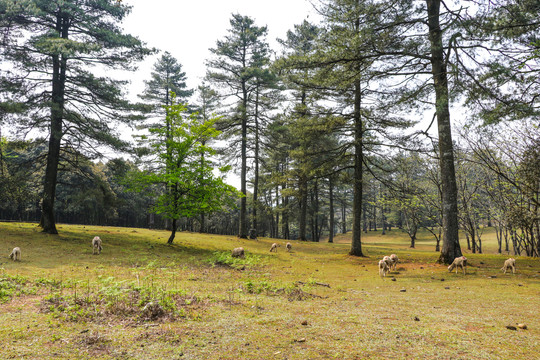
459	262
395	260
509	263
238	252
15	254
288	246
96	245
388	262
274	247
383	268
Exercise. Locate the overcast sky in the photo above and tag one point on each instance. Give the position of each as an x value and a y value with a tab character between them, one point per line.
187	29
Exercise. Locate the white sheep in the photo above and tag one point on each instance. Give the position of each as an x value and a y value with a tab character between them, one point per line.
288	246
509	263
96	245
15	254
238	252
459	262
388	262
274	247
395	260
383	268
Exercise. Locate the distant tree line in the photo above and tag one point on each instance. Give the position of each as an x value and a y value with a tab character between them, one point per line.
498	176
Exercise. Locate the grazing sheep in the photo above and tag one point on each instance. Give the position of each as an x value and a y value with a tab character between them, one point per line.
96	245
274	247
395	260
288	246
15	254
509	263
459	262
388	261
238	252
383	268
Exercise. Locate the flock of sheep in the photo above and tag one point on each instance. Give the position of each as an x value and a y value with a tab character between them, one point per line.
385	265
240	253
389	263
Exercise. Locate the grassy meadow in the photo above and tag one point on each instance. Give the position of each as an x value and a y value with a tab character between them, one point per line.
143	299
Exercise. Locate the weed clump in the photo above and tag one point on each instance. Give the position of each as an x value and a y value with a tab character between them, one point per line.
291	292
223	258
119	301
14	286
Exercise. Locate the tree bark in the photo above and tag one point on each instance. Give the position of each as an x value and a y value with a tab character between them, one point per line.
450	247
356	246
303	209
331	205
285	216
256	175
242	226
173	232
47	222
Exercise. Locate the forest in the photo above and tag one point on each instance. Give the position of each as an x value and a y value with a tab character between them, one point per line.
393	115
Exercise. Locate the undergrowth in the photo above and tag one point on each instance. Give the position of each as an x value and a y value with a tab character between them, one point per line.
118	299
224	258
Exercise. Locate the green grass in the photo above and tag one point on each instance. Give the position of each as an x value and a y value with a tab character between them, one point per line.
142	299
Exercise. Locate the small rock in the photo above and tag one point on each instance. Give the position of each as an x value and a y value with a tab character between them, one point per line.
447	287
403	290
520	284
442	279
304	322
522	326
416	318
301	340
511	327
393	279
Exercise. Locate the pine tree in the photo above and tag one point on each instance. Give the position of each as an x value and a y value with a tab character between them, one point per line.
236	61
52	47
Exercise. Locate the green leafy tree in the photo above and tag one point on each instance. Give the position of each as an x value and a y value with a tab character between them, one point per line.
177	149
52	47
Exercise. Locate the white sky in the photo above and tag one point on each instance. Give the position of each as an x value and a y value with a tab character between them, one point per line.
188	29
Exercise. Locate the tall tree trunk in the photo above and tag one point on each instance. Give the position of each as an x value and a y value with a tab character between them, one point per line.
315	201
331	205
344	215
450	247
47	222
285	216
242	226
303	209
256	175
277	213
364	218
356	246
